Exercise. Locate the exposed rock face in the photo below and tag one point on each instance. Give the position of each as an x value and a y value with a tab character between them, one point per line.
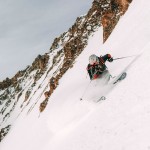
3	132
6	83
43	105
27	95
40	62
109	12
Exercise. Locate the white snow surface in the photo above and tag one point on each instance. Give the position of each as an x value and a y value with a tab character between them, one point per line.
121	122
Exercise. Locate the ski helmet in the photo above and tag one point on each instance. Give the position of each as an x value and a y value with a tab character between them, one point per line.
92	59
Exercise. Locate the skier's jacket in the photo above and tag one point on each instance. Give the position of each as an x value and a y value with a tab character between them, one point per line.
97	66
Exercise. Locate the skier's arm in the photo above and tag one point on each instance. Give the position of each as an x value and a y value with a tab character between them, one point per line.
89	71
107	57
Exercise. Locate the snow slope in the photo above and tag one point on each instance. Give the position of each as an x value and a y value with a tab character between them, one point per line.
121	122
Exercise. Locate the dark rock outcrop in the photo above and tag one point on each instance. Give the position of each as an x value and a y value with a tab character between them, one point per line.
3	132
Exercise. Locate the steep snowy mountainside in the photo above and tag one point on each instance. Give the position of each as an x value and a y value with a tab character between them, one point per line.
37	82
121	122
32	122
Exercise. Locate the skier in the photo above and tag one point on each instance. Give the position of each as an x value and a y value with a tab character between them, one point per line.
96	67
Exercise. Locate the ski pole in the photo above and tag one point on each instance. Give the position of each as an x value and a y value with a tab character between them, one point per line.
85	91
124	57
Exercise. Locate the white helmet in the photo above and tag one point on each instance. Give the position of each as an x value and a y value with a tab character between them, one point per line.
93	59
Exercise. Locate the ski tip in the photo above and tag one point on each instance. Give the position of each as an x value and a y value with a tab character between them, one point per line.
123	76
103	98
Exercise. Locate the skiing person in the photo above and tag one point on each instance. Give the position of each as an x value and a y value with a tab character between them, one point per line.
96	67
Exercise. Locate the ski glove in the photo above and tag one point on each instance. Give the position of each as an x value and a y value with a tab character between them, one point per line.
110	59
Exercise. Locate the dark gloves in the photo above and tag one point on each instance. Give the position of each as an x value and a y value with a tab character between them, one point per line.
110	59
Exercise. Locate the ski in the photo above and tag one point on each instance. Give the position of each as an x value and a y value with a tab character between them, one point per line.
102	98
121	77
